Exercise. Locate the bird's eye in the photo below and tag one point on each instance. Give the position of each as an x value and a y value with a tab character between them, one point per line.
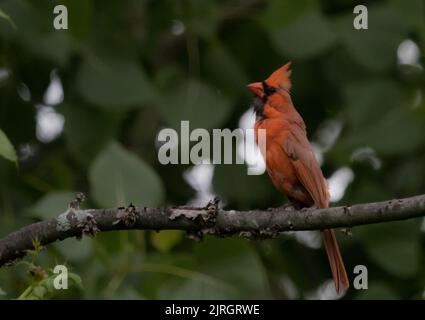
268	90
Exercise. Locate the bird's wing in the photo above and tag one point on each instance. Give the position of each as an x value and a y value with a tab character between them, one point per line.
306	167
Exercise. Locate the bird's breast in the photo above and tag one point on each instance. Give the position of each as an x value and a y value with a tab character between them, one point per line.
279	164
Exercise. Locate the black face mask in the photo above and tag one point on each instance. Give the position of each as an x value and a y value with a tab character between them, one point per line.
268	90
258	106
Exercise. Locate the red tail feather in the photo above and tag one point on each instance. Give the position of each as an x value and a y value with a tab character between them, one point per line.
335	260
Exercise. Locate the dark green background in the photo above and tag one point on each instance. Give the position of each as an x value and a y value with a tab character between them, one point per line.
125	75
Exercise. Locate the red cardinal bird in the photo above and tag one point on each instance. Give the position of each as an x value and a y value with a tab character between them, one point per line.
290	161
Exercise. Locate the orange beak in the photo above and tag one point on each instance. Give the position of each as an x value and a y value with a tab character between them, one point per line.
256	88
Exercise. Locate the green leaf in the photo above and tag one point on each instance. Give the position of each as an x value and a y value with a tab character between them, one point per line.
54	45
377	291
224	70
88	130
194	101
2	292
397	256
194	289
230	269
375	47
79	24
6	148
76	279
282	13
231	258
3	15
308	36
408	176
36	33
113	83
51	204
75	251
412	13
368	101
38	292
200	17
165	240
23	16
244	196
379	116
118	177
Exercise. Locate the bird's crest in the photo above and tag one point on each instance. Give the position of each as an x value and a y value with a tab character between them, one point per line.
280	78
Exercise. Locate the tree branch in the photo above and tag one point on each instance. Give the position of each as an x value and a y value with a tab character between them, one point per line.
76	222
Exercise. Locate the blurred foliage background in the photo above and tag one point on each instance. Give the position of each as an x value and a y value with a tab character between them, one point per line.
83	106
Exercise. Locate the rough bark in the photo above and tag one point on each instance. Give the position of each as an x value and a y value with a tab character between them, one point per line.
211	220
